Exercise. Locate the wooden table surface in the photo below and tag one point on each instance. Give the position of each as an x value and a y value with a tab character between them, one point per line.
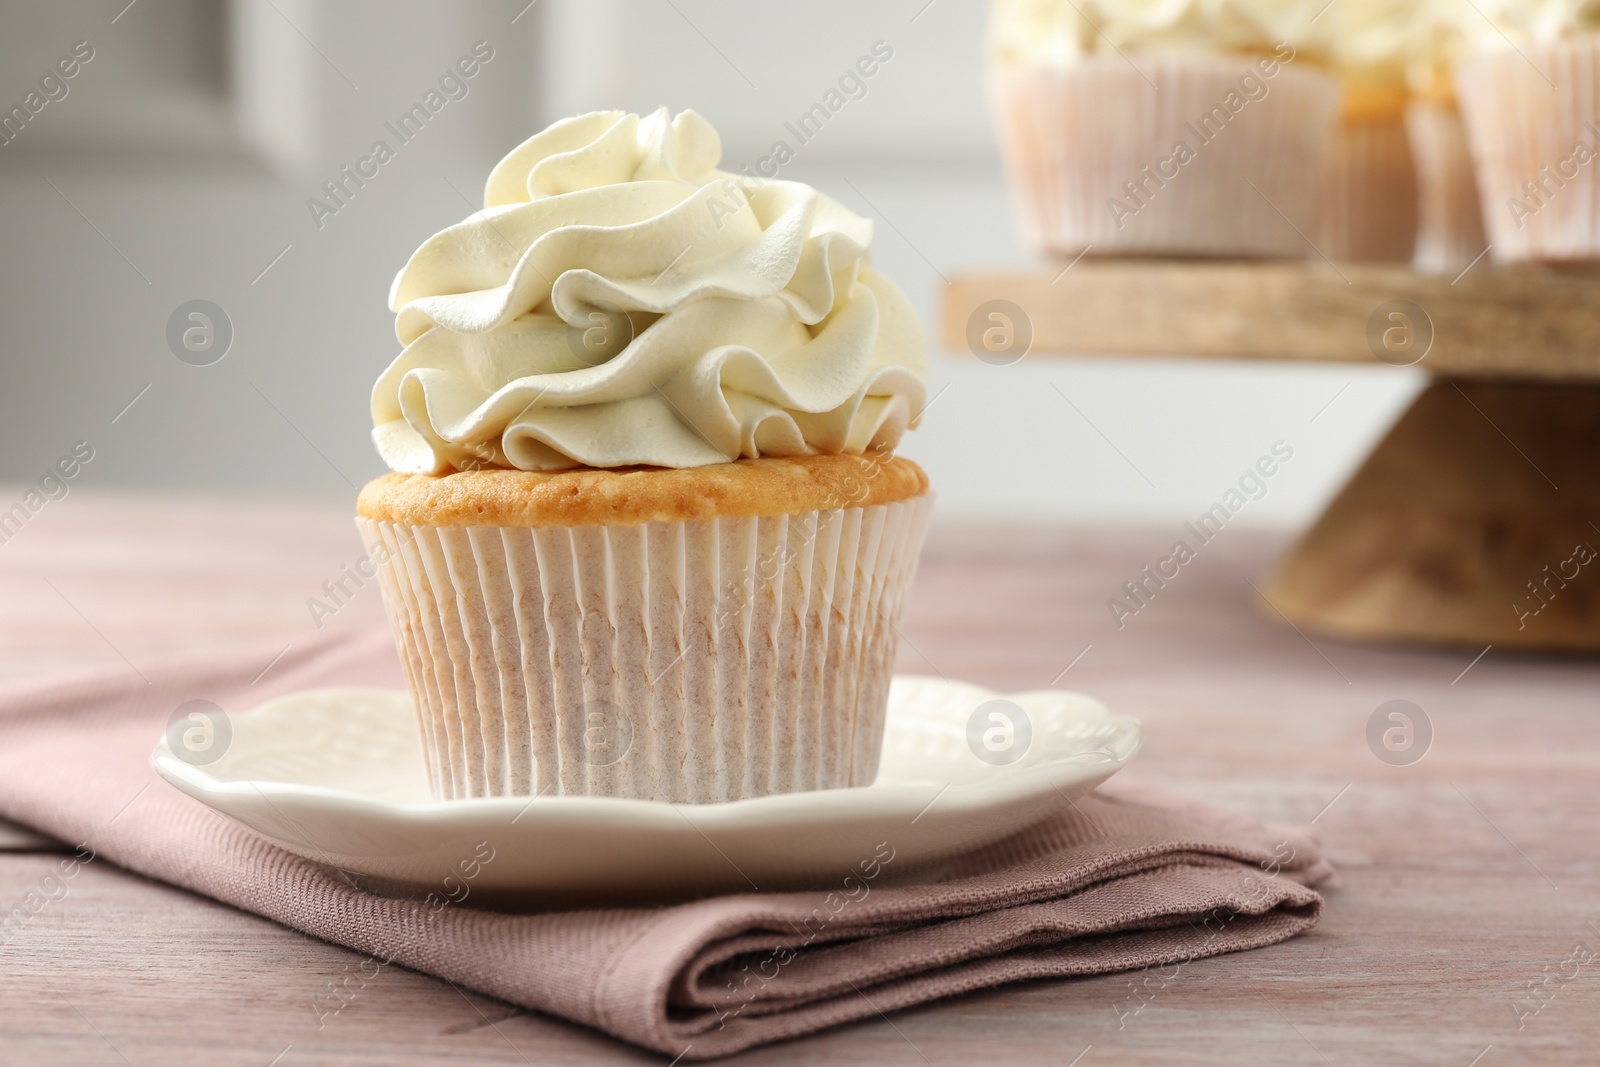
1461	929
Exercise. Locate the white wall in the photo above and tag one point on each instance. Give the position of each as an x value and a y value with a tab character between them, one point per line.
88	295
751	67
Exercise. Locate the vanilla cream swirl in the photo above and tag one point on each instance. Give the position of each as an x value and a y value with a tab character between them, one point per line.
1065	32
1500	24
1372	40
620	301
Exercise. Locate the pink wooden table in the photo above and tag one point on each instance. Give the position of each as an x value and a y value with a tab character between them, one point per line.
1465	880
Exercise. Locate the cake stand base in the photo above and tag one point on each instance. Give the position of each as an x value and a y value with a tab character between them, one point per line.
1476	521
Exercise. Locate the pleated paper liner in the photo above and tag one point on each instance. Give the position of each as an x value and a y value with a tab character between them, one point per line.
691	662
1533	124
1368	212
1093	154
1450	231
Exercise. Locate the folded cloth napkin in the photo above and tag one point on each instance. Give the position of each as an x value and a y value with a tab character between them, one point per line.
1125	878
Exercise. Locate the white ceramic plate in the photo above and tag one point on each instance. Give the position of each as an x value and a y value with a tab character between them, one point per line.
337	776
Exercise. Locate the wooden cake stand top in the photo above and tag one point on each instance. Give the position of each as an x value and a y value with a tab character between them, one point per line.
1475	521
1525	322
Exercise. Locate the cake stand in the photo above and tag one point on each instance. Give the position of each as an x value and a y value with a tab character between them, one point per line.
1476	520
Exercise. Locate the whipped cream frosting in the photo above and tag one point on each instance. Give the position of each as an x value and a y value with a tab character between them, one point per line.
1372	41
1063	32
621	301
1498	24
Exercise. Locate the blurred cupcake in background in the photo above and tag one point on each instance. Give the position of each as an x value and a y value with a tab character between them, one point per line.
1184	127
1530	101
1450	231
1369	193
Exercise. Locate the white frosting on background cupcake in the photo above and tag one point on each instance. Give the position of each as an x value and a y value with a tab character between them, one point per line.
1498	24
1061	32
620	301
1371	41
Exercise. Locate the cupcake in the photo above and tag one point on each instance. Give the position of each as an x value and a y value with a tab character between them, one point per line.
1449	218
1530	100
1369	206
1450	231
1195	127
645	534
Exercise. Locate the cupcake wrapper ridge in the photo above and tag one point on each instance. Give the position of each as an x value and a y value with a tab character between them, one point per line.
1533	125
690	662
1076	137
1369	194
1449	217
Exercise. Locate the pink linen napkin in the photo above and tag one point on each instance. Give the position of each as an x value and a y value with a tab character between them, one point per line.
1126	878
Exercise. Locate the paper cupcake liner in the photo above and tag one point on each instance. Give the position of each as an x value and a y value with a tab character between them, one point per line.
1449	217
1526	117
1081	140
1368	212
690	662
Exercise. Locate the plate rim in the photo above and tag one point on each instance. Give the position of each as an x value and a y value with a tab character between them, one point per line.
777	809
